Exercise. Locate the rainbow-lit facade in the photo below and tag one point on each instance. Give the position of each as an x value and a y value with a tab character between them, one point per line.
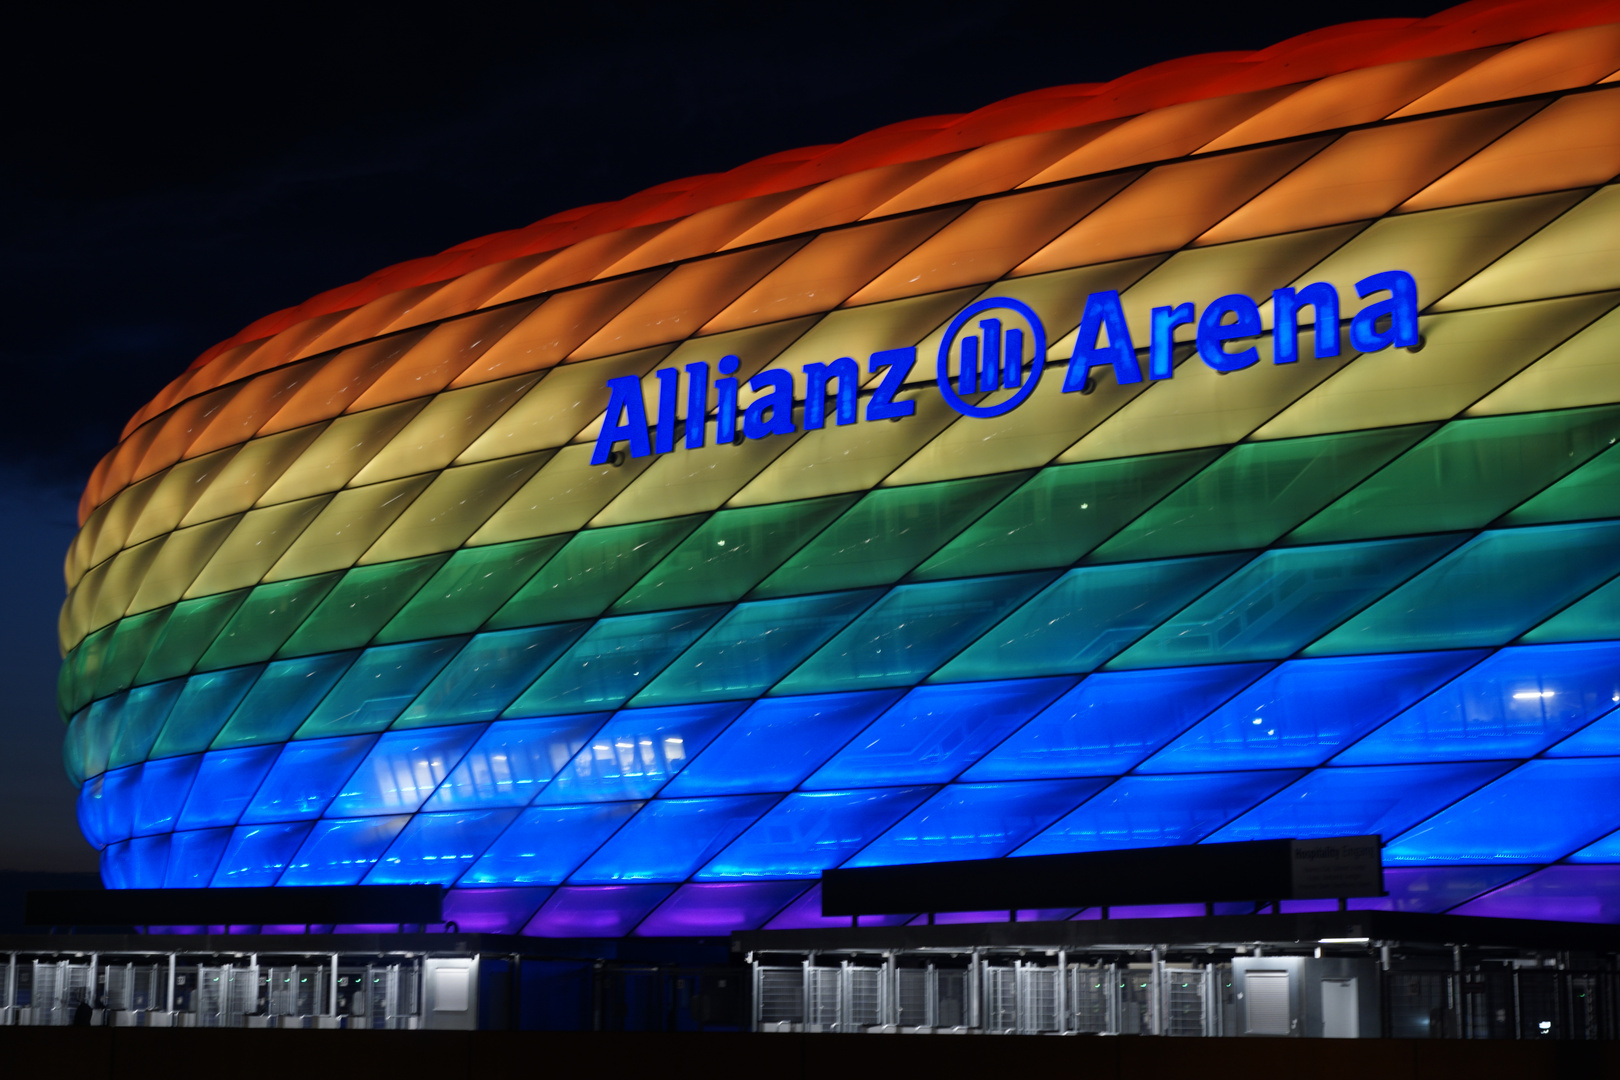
351	604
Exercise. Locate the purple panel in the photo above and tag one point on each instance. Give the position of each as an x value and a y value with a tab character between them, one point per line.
718	908
1156	911
370	928
1434	888
952	918
805	914
1024	915
1292	907
1090	914
284	928
596	910
492	911
1566	893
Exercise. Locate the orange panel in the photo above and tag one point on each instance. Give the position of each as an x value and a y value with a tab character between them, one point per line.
1169	207
991	169
990	239
1574	142
684	300
175	391
440	356
576	264
1367	173
840	201
175	432
1552	62
828	270
703	233
467	292
369	320
557	327
339	380
285	346
259	399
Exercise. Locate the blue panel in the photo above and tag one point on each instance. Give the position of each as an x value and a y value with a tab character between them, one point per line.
1282	601
488	674
145	861
145	710
110	805
165	783
903	637
91	809
937	731
224	785
305	778
1084	619
1606	850
1381	799
977	821
635	753
282	699
615	658
435	849
755	645
1154	811
809	832
192	858
514	760
670	838
1307	710
780	741
1539	812
1598	739
1516	703
546	842
340	852
402	770
202	709
378	687
115	866
1112	721
257	854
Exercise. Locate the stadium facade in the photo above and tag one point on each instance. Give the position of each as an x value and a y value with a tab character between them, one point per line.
1225	452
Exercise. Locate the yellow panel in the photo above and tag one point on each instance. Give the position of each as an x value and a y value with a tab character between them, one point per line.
1465	354
860	332
692	481
840	200
552	412
76	609
1550	62
444	429
341	451
177	491
702	233
565	494
242	482
78	555
257	541
1577	253
184	552
457	502
997	167
124	575
346	527
1585	370
123	511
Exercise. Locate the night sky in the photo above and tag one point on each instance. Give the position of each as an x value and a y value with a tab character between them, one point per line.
169	179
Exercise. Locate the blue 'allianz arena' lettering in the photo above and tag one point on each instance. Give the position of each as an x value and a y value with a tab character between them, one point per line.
999	348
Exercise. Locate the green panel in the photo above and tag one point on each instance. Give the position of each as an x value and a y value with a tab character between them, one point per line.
378	686
282	699
1591	491
1594	617
67	684
132	642
191	629
470	588
366	598
202	708
731	553
266	619
591	571
1256	492
882	537
488	673
1467	474
1062	513
90	658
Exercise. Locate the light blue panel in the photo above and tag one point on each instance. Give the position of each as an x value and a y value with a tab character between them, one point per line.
491	671
670	838
1539	812
102	722
1158	811
340	852
546	842
435	849
1083	619
1385	800
812	831
146	859
402	770
902	638
755	645
780	741
1487	592
193	856
1601	738
615	658
1113	720
378	687
73	748
164	785
305	778
257	854
935	732
1307	710
1606	850
225	784
1514	704
513	761
1594	617
145	710
635	753
1282	601
282	699
202	709
977	821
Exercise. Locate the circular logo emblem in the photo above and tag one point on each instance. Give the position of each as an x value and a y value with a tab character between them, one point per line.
1003	349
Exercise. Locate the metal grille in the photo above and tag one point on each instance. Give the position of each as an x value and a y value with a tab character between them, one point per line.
1037	999
210	991
1001	999
950	998
1090	999
865	996
912	993
781	995
1185	1004
823	987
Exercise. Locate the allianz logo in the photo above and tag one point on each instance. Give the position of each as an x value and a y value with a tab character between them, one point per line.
993	345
